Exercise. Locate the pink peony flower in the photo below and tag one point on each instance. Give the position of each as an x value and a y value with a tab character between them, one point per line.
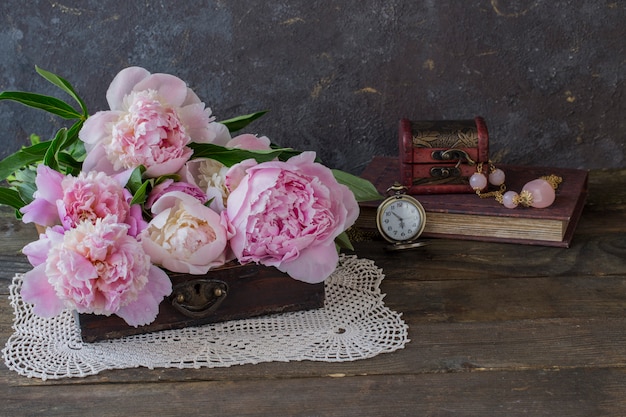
210	176
185	235
152	119
94	268
170	185
69	200
287	215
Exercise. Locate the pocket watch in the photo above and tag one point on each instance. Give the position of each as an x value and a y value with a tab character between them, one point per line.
400	219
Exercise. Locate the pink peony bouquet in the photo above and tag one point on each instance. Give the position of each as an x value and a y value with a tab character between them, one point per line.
156	184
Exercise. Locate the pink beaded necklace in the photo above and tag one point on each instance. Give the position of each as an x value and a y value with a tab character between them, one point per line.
538	193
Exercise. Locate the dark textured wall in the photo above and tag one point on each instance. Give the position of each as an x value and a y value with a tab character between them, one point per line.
547	75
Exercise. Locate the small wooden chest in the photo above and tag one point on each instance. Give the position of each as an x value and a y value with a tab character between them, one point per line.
438	157
228	293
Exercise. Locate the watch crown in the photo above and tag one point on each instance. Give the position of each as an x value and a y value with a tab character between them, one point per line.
397	188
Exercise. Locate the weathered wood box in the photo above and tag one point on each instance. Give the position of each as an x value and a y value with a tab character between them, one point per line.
229	293
438	157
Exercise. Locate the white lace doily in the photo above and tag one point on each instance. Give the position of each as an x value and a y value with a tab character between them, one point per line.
354	324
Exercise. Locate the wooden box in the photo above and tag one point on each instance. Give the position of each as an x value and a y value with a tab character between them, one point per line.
438	157
228	293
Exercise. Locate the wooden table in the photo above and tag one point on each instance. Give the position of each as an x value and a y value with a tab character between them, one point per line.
495	329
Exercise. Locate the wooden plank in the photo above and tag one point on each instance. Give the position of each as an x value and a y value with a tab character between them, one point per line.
597	252
11	265
13	233
572	393
507	299
606	190
434	348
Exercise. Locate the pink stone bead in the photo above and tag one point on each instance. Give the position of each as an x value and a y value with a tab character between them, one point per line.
496	177
542	192
508	199
478	181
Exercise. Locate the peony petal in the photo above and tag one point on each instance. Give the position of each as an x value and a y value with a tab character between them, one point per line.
135	220
214	196
237	172
158	255
145	309
351	206
37	251
167	167
314	264
97	160
303	159
123	177
192	98
96	127
169	200
184	267
196	121
48	183
249	142
38	291
40	212
221	134
172	89
123	84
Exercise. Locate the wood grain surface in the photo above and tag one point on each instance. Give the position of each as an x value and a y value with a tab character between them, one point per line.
495	329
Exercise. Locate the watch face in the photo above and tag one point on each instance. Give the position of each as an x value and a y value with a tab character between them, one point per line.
401	219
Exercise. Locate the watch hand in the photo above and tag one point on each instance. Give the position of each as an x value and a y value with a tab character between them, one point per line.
399	218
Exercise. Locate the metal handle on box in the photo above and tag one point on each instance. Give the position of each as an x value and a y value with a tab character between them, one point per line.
452	155
445	172
198	298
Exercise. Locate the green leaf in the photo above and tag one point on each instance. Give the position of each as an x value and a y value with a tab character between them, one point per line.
23	181
38	101
24	157
72	135
229	156
70	164
50	158
141	194
343	241
239	122
63	85
135	181
138	187
363	189
26	191
10	197
34	139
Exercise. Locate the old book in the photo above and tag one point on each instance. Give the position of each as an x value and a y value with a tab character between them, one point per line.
467	216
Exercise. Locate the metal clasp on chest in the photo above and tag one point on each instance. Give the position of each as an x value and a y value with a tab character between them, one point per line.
452	155
449	155
198	298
